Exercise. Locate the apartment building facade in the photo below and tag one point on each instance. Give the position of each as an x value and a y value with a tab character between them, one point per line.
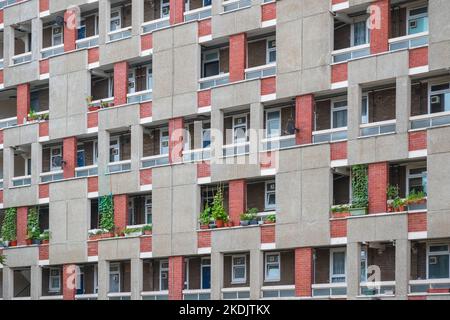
114	106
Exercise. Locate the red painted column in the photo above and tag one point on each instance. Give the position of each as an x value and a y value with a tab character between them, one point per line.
176	278
379	22
303	272
120	83
238	56
304	118
378	182
22	221
237	200
176	11
70	157
176	134
120	211
70	30
69	281
23	102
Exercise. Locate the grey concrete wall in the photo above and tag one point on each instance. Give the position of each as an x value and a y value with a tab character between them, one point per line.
439	48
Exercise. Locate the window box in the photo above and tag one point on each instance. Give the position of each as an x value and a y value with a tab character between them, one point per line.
358	211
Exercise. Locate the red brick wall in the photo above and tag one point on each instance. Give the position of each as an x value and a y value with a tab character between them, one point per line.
70	30
238	56
378	182
1	196
146	244
417	222
269	11
92	119
176	127
338	150
120	83
338	228
203	169
92	248
204	239
1	136
23	102
304	111
176	11
204	98
303	272
146	177
22	218
43	129
267	160
339	72
1	76
43	5
68	281
70	156
237	199
267	233
145	110
417	140
204	28
379	37
418	57
92	184
43	191
44	66
268	86
176	278
1	16
120	211
93	55
146	42
338	1
43	252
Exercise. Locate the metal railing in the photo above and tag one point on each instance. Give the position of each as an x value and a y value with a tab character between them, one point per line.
22	58
119	34
201	294
236	293
351	53
214	81
330	135
329	290
430	120
236	149
278	292
378	128
140	96
409	42
8	122
98	103
277	143
231	5
197	155
424	286
87	42
386	288
155	295
52	51
119	166
198	14
153	25
52	176
21	181
119	296
155	161
57	297
266	70
86	171
90	296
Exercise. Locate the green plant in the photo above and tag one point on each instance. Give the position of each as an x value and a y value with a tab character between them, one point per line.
271	218
106	211
89	100
249	215
44	116
205	215
398	202
147	227
340	208
218	210
104	104
415	196
33	230
392	192
360	187
45	235
2	259
32	115
132	230
9	227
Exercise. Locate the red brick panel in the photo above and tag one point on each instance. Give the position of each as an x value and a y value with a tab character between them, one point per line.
338	228
44	66
203	169
176	278
238	56
43	5
69	156
303	272
44	191
120	211
145	110
237	199
204	239
268	234
146	244
70	30
378	182
92	248
269	11
338	150
417	298
1	76
268	160
204	28
339	72
176	132
146	42
380	19
338	1
22	219
1	196
418	57
23	102
1	16
120	83
268	86
93	55
43	252
176	11
417	222
304	111
69	281
92	119
1	136
204	98
43	129
146	177
417	140
92	184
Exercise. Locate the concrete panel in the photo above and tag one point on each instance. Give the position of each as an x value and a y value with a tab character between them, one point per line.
22	257
118	117
243	239
121	50
21	73
21	12
20	135
119	249
237	94
377	228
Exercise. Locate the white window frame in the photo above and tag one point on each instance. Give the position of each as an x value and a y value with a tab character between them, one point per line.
267	122
148	205
266	267
365	250
131	211
114	143
52	168
430	92
352	31
119	18
269	50
205	61
204	265
95	152
132	80
337	109
235	280
409	16
61	34
116	264
204	130
436	253
243	115
80	274
364	96
162	6
161	140
413	176
332	275
268	206
51	277
95	278
161	270
80	149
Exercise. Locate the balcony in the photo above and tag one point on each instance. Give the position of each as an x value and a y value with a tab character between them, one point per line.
119	166
86	171
197	155
430	120
198	294
22	181
52	176
330	135
236	149
347	54
236	293
214	81
412	41
87	43
198	14
119	34
21	58
8	122
154	25
278	292
52	51
155	295
140	96
155	161
377	128
329	290
259	72
232	5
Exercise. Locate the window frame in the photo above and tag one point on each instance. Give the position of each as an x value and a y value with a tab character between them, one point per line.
333	110
267	206
163	5
408	17
234	126
365	96
161	270
430	93
61	34
148	204
161	140
332	275
115	146
415	176
235	280
119	18
114	272
266	265
52	168
203	265
269	50
352	32
267	122
205	61
436	253
52	289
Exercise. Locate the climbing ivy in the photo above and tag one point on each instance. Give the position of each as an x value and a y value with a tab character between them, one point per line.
360	189
106	211
33	229
9	227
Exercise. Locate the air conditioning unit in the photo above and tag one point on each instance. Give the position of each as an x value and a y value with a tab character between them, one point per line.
433	260
413	24
435	99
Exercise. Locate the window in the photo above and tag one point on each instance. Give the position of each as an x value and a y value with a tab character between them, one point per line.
417	20
132	81
211	63
164	141
272	267
54	281
81	156
114	150
148	209
95	152
114	277
165	8
206	135
240	128
438	261
365	110
131	216
360	33
57	36
82	29
273	123
55	158
439	98
417	179
208	193
206	273
271	50
337	265
116	20
239	269
80	281
163	275
339	114
270	202
149	78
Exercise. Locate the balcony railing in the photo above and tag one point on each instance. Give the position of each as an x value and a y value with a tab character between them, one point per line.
425	286
52	51
119	296
242	293
22	58
21	181
236	149
198	14
155	161
87	42
52	176
330	135
277	143
378	128
430	120
8	122
98	103
231	5
214	81
197	155
201	294
155	295
278	292
7	3
329	290
119	166
86	171
409	42
153	25
90	296
140	96
58	297
351	53
267	70
384	288
119	34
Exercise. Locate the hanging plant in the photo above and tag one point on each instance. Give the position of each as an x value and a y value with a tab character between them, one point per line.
33	229
106	211
9	227
360	187
218	210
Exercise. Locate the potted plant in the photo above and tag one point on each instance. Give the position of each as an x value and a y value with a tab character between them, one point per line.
32	116
147	229
133	232
95	234
249	217
106	211
416	200
105	104
2	259
398	204
33	226
270	219
212	223
218	212
9	228
392	193
245	219
205	217
360	191
340	211
45	237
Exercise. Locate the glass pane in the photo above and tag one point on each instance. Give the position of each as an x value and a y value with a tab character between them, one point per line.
338	263
364	111
340	119
360	32
438	267
273	271
239	273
